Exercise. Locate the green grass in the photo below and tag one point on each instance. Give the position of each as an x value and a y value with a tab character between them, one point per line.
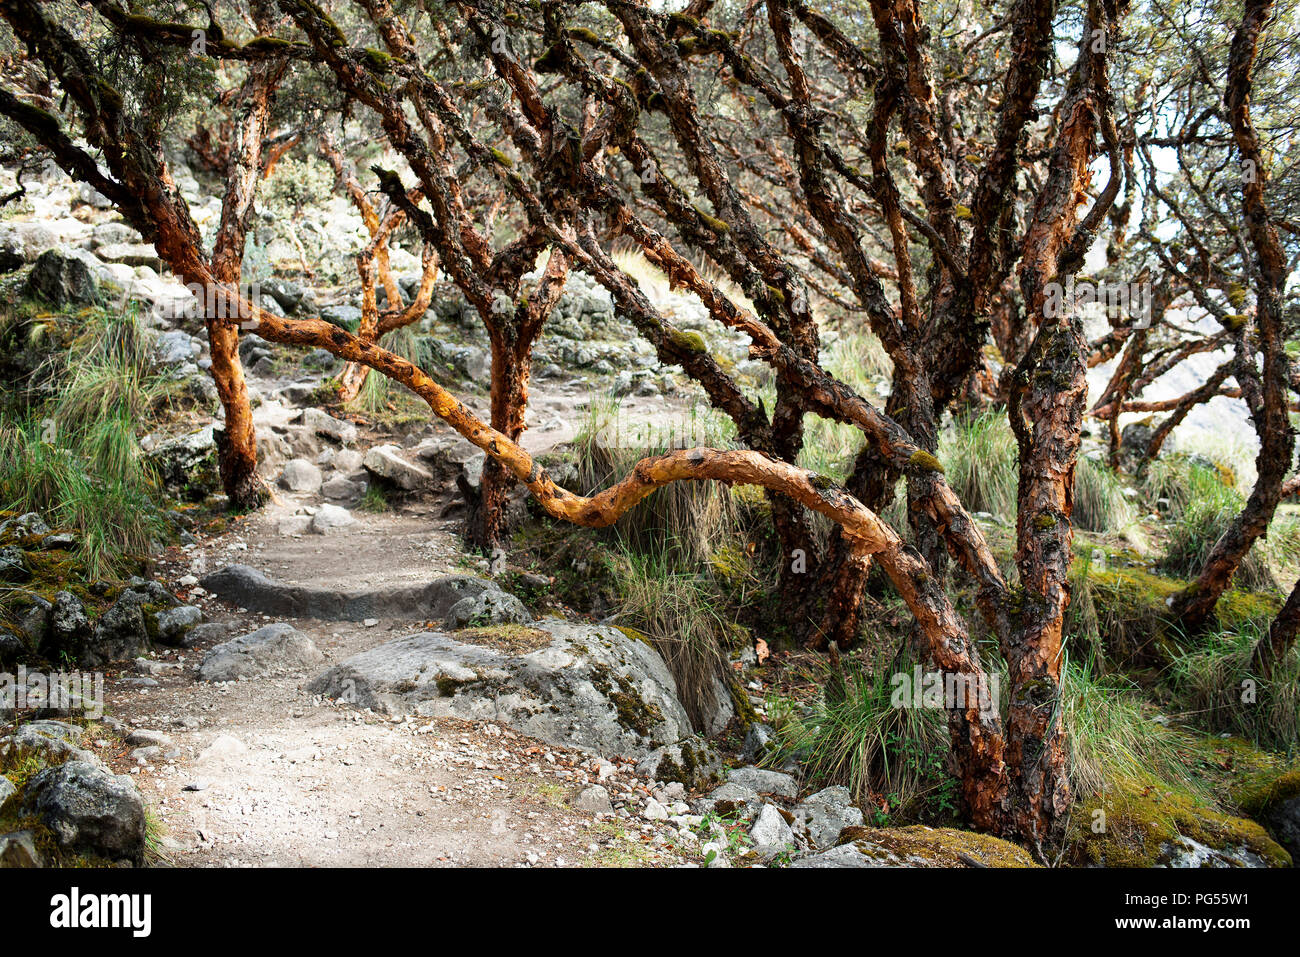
829	447
374	500
691	519
1099	501
378	392
677	609
1216	688
76	458
893	758
980	460
858	358
1203	503
980	457
1112	735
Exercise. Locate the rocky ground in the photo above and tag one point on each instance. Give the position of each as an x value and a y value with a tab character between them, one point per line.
234	735
334	679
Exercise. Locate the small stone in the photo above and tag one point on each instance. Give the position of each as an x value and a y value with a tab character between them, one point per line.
595	800
765	782
386	462
300	475
770	828
19	850
331	518
175	623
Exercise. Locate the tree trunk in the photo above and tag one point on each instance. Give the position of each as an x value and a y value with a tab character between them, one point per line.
1047	413
1269	406
487	526
1271	651
237	442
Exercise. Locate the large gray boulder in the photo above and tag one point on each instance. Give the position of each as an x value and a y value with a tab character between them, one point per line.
765	782
691	761
52	741
175	624
249	588
386	462
89	810
324	424
129	627
187	464
273	648
62	278
569	684
299	475
69	627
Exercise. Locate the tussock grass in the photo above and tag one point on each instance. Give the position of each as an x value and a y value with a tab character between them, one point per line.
1099	502
857	357
77	460
677	609
691	519
1112	735
980	458
676	558
829	448
892	757
657	287
378	394
1216	688
1203	503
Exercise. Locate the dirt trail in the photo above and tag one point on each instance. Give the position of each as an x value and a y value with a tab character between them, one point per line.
262	773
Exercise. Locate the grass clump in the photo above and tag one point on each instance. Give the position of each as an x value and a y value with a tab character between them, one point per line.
1112	734
1099	501
76	458
891	758
980	460
678	612
692	519
1201	500
379	394
1217	688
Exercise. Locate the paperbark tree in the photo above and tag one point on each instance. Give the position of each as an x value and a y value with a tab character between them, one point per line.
587	138
1266	389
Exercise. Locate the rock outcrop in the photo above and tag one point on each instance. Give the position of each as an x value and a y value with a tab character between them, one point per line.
568	684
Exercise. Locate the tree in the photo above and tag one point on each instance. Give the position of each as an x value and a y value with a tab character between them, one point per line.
761	142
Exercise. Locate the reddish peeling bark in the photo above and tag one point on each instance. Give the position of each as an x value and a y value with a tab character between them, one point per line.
1266	393
549	175
1046	408
1273	649
375	270
237	440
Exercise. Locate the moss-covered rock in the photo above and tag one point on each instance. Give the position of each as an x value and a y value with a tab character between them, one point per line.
1148	826
917	846
1273	799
